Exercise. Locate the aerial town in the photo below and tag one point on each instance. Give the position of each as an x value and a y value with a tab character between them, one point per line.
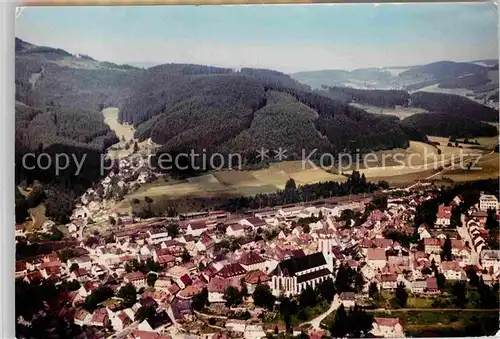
257	172
325	268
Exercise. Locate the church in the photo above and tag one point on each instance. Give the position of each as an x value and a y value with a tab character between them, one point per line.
292	276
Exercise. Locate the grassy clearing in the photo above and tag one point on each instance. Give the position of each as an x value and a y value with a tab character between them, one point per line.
121	130
401	113
38	218
125	131
37	214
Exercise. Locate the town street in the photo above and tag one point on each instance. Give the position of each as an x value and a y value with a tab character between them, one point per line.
464	234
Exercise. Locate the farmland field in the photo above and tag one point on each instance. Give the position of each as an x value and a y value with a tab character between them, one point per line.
488	163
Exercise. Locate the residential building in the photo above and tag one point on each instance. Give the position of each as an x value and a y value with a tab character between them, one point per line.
488	201
387	328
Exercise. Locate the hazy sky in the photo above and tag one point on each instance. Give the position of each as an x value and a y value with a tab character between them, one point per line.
287	38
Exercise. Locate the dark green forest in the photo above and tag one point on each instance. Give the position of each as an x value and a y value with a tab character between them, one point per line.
441	124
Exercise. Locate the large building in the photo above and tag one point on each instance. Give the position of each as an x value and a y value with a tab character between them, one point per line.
293	275
488	201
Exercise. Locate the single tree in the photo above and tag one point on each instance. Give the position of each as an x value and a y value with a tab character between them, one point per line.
340	324
446	250
401	294
232	296
129	294
290	184
326	289
200	300
373	290
173	230
359	282
491	220
263	297
308	297
459	292
151	279
186	257
73	267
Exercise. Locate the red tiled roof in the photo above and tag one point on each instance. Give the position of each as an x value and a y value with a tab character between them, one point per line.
432	283
375	254
231	270
433	242
250	258
165	259
186	280
99	315
20	266
451	266
198	225
81	314
444	212
256	277
124	318
173	289
190	291
390	322
389	277
219	285
134	276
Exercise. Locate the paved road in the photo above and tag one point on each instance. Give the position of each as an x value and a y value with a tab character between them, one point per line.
317	321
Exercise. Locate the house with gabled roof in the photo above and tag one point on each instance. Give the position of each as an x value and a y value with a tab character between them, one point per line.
251	260
387	328
196	227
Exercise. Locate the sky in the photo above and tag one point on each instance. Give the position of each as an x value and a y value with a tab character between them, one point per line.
289	38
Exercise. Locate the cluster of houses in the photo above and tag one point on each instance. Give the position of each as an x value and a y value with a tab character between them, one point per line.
299	256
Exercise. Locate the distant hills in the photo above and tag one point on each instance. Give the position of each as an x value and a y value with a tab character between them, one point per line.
474	75
183	106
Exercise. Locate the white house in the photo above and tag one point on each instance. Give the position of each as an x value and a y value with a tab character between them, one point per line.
443	216
236	230
196	227
451	270
158	235
375	258
488	201
490	258
252	261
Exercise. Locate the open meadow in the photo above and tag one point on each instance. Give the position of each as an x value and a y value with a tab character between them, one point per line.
125	133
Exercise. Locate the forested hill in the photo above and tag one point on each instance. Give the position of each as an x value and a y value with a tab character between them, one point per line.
58	101
455	105
221	110
443	125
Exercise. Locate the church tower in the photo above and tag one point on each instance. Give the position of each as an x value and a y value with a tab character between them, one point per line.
325	243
